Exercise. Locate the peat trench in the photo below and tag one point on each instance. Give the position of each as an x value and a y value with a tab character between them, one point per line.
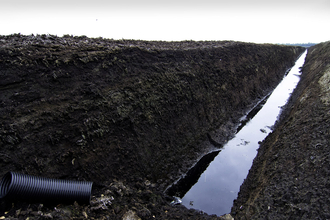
213	183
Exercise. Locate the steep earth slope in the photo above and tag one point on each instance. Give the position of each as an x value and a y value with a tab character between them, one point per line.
290	177
125	114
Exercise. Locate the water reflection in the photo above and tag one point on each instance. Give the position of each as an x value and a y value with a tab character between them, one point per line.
219	184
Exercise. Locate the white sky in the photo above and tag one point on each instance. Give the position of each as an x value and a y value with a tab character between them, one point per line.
260	21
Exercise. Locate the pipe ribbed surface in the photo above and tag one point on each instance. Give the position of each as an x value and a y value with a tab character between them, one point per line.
16	186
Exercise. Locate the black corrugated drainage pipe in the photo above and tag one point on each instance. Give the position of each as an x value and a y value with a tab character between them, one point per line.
16	186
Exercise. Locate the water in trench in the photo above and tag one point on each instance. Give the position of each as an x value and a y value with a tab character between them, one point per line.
212	186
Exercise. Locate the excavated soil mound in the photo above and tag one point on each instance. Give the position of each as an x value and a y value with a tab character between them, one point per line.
127	115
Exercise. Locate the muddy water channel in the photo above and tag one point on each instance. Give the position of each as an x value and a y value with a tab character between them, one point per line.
217	187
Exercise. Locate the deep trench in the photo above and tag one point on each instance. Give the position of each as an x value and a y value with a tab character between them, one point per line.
213	183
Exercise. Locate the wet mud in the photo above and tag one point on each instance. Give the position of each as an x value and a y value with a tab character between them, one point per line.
128	115
290	178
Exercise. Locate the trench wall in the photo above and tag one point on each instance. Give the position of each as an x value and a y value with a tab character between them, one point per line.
98	109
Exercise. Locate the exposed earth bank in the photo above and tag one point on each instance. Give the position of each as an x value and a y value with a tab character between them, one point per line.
128	115
290	177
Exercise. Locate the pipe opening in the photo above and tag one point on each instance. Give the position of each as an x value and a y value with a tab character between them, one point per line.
5	185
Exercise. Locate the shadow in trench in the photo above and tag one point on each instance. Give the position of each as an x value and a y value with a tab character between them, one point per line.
180	188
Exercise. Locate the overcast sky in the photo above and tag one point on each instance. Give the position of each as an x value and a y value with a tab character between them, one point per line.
260	21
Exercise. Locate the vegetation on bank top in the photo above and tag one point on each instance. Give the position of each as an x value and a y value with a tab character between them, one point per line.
300	44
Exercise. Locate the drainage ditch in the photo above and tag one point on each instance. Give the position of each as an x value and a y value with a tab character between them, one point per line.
213	183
